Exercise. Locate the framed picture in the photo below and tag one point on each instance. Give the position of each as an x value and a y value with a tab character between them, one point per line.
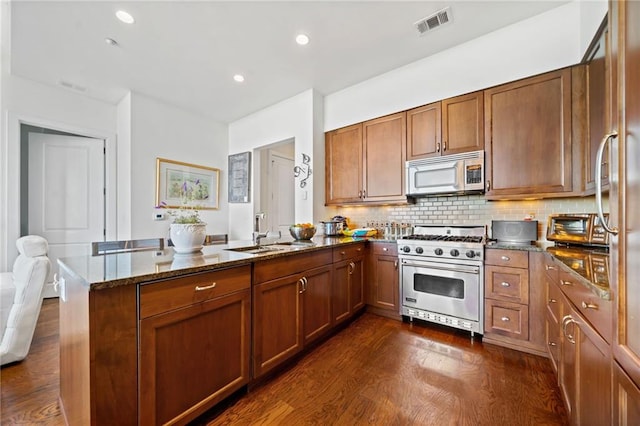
239	177
181	184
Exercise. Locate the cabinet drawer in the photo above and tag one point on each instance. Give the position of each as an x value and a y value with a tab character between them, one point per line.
163	296
512	258
550	267
510	284
347	252
596	310
385	249
507	319
279	267
553	298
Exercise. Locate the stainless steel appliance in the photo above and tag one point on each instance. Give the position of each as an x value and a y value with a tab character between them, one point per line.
442	275
578	228
448	174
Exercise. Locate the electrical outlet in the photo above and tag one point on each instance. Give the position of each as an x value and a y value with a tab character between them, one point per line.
158	216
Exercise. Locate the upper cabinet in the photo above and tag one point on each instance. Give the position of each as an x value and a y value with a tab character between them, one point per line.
528	137
451	126
365	162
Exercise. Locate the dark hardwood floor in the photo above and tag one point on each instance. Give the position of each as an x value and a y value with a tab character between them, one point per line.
377	371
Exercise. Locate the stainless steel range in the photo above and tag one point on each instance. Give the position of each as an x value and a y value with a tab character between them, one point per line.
442	275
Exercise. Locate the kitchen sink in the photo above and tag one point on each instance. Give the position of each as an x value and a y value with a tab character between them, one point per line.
272	248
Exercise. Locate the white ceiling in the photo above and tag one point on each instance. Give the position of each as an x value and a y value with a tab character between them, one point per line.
186	53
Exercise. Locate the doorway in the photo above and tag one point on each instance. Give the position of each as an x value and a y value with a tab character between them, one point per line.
277	188
62	189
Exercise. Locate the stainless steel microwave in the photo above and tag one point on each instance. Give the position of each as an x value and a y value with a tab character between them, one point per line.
448	174
578	228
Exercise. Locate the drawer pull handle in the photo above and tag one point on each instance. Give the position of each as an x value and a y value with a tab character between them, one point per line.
505	284
359	249
549	268
385	249
552	300
587	305
342	253
505	258
208	287
551	344
505	319
563	282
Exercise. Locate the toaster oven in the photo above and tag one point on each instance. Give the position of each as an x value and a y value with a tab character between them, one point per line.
578	228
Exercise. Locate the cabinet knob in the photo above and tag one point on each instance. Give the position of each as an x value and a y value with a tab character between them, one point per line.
567	283
208	287
549	268
551	344
505	319
444	146
505	258
385	249
342	253
587	305
438	147
488	185
552	300
395	265
505	284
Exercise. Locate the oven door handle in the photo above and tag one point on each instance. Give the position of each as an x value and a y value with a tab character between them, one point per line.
453	268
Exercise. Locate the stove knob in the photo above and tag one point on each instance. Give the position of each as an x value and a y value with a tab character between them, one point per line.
419	250
406	249
454	252
438	251
471	254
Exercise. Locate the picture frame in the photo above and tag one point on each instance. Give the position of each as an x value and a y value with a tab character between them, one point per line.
239	177
202	185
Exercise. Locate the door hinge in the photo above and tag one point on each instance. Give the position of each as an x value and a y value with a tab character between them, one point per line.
104	232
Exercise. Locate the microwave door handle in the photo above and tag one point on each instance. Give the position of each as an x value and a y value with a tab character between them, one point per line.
613	230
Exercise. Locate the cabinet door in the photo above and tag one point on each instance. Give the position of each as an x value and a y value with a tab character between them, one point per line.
316	303
343	150
424	135
384	142
624	214
356	284
385	283
567	379
626	398
191	358
277	323
340	292
528	137
594	375
463	123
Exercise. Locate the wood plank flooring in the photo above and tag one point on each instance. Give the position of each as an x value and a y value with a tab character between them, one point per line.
377	371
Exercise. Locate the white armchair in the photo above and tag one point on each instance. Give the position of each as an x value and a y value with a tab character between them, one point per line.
21	297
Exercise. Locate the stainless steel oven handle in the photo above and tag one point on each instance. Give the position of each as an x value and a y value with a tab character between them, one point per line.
453	268
612	230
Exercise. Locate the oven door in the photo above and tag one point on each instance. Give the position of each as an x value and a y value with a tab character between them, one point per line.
444	288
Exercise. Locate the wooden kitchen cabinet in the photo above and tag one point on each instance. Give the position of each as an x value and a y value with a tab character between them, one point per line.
528	139
626	397
383	279
451	126
348	281
514	300
365	162
281	325
194	343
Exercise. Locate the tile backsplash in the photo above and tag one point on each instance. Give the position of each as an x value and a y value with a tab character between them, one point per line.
469	209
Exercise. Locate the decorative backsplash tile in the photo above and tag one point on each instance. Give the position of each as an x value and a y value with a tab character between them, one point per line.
469	209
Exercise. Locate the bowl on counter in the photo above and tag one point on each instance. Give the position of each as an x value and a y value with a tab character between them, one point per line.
303	231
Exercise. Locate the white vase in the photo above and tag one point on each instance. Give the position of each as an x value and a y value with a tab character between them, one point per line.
187	237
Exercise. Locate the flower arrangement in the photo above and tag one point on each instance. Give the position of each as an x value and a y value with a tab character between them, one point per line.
187	212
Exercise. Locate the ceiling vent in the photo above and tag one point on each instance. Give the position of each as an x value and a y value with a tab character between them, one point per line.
434	21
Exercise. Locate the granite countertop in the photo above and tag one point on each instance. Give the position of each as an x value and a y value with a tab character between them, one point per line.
589	265
116	269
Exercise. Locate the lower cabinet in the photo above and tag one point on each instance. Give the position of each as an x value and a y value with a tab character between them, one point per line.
348	281
194	343
626	398
292	310
383	278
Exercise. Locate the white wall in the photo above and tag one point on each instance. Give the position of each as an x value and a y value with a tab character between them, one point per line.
545	42
289	119
161	130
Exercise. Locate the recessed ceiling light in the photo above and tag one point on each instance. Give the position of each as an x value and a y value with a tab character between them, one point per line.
125	17
302	39
110	41
239	78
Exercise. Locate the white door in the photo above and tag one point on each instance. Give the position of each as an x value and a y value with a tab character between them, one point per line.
66	195
281	194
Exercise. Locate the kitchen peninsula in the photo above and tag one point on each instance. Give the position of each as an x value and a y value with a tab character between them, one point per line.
153	337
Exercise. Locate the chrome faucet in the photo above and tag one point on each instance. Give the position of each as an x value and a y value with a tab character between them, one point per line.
257	235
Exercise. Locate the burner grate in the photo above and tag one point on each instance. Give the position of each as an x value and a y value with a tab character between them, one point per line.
447	238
